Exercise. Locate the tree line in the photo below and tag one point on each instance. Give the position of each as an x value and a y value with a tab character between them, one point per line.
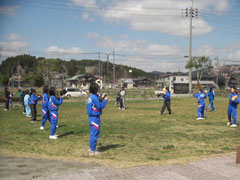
40	70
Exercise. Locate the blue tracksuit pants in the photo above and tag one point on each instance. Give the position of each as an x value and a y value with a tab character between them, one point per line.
232	111
211	105
94	122
54	121
45	114
200	110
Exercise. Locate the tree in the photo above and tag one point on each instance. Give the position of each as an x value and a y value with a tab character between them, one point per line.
46	68
4	79
226	72
200	64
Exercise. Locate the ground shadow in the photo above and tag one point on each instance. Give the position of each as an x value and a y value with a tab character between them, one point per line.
110	146
66	134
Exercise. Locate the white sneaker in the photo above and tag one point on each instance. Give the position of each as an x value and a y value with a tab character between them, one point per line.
57	126
53	137
94	153
233	125
24	113
5	109
199	118
56	135
123	108
228	124
119	108
41	128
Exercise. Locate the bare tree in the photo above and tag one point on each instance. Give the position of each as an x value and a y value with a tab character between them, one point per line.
226	72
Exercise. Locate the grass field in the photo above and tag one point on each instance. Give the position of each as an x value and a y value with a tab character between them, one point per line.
136	136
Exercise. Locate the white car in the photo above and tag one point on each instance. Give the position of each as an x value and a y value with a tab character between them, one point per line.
75	92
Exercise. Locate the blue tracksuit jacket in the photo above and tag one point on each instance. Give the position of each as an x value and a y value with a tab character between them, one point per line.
201	103
211	96
53	104
94	110
232	107
167	96
33	99
45	111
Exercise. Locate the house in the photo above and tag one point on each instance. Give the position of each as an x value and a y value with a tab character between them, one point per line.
126	83
141	82
58	80
83	81
179	84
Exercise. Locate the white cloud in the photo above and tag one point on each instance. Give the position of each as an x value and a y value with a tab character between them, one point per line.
55	51
156	15
235	56
86	17
14	46
14	37
93	35
8	10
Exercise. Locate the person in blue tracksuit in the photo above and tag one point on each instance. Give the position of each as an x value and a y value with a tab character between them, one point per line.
53	104
94	110
234	99
33	104
26	103
211	96
45	111
201	104
167	99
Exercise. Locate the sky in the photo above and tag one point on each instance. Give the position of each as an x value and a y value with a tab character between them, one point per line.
152	35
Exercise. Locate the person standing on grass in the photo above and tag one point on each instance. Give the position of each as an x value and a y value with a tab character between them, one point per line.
167	103
45	111
53	104
201	104
6	98
234	99
22	100
94	110
10	100
33	104
20	94
122	94
26	103
211	96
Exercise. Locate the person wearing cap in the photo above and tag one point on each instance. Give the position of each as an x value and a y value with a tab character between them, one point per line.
167	101
232	107
201	104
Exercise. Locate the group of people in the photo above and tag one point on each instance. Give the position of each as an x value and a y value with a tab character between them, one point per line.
234	100
49	106
95	105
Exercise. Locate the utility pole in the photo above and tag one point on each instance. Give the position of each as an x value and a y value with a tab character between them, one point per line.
190	13
114	75
99	64
107	79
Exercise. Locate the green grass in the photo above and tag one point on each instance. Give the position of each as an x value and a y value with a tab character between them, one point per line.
136	136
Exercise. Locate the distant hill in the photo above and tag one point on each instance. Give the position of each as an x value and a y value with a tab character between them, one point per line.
30	63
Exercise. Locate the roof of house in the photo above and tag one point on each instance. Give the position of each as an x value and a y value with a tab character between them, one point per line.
77	77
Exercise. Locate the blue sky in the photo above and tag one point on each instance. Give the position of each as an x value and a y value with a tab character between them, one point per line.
147	34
